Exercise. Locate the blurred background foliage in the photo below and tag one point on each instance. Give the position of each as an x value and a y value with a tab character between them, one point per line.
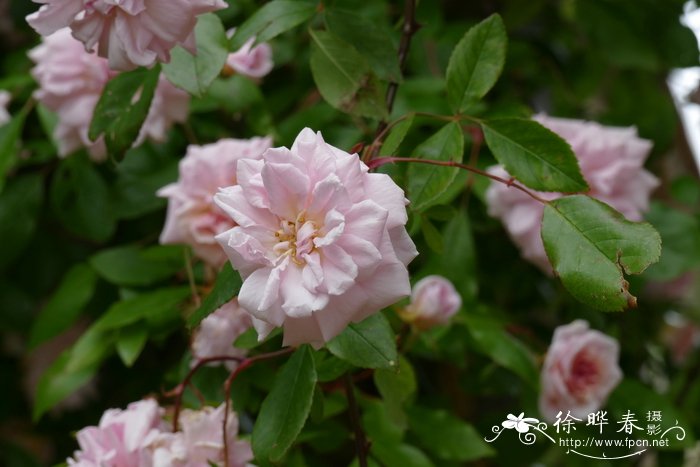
604	60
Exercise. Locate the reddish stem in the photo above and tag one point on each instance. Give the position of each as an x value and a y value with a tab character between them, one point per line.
374	163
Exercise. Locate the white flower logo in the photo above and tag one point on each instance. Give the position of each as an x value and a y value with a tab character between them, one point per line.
521	424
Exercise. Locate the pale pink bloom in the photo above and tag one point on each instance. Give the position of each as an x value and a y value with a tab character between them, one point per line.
320	241
129	33
70	84
254	62
121	438
192	217
5	98
612	162
202	432
218	331
434	301
579	372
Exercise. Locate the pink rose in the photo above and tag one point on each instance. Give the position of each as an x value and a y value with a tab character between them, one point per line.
5	98
434	301
121	437
192	217
579	372
218	331
129	33
320	242
254	62
612	162
70	84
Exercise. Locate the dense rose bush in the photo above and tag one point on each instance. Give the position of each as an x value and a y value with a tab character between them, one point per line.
192	217
71	81
319	241
128	33
434	301
579	371
612	162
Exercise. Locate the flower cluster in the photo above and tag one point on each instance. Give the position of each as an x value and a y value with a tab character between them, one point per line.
129	33
612	162
138	436
319	241
192	217
434	301
218	331
71	81
579	372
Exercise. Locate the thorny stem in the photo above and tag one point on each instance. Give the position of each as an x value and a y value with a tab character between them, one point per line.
361	445
227	389
508	182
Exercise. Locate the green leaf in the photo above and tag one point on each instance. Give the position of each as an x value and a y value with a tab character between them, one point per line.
680	233
147	306
195	73
401	454
227	285
427	182
80	199
476	63
591	246
397	387
57	383
495	342
344	77
10	134
271	20
536	156
374	43
432	235
367	344
132	266
19	206
131	342
446	436
396	136
122	109
65	305
286	408
460	265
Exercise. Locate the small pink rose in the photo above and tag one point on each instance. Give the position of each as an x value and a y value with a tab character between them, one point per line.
434	301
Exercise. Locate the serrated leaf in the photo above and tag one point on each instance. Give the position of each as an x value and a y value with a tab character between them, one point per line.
396	136
445	435
130	343
227	285
65	305
195	73
344	77
367	344
286	408
122	109
271	20
132	266
476	63
374	43
533	154
427	182
591	247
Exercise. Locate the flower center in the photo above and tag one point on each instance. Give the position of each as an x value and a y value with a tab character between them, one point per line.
296	238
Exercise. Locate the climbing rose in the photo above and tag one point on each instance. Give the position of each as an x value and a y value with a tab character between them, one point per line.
612	162
70	84
434	301
320	241
129	33
579	372
254	62
192	217
5	98
218	331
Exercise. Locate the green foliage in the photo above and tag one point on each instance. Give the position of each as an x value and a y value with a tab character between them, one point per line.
133	266
10	134
195	72
367	344
680	233
271	20
534	155
19	207
286	408
476	63
592	246
122	109
227	285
